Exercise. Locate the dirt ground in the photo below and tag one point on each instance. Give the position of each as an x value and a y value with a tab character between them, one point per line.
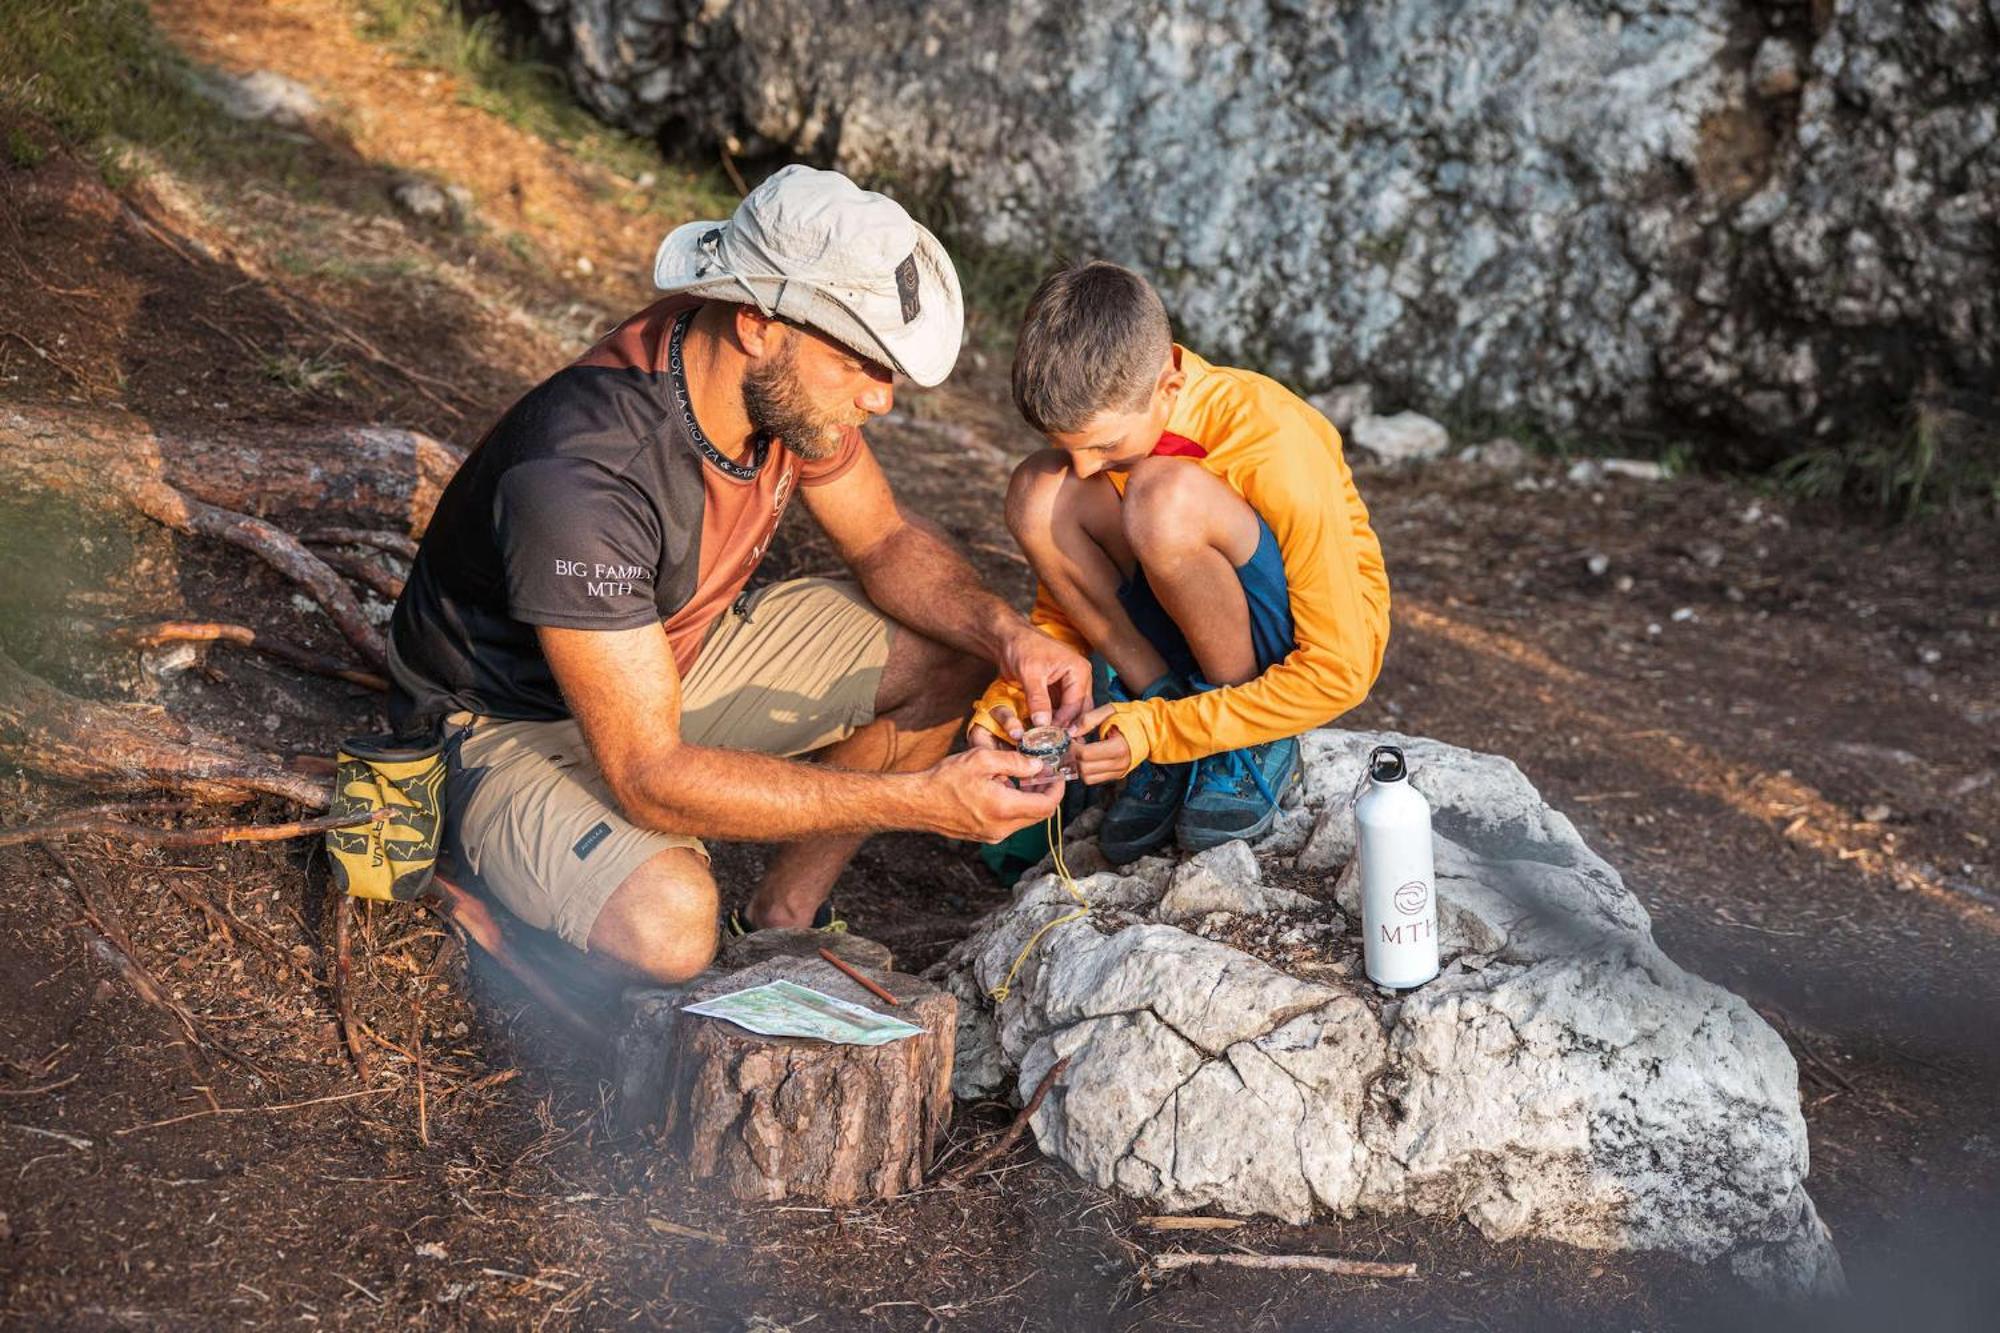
1782	726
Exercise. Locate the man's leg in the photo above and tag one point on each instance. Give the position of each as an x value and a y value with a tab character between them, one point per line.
925	693
660	922
1185	527
531	824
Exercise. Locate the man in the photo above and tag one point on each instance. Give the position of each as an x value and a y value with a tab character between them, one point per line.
573	624
1197	526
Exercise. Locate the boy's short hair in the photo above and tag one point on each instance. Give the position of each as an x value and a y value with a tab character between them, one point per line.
1093	340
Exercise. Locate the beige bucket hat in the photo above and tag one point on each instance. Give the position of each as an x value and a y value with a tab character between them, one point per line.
812	247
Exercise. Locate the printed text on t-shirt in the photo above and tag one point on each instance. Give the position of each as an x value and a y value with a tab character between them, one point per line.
601	580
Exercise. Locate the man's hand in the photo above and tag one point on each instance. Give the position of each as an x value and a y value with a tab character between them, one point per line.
982	737
1104	760
1054	676
971	797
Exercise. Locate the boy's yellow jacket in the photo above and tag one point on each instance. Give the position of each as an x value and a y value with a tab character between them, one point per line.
1285	459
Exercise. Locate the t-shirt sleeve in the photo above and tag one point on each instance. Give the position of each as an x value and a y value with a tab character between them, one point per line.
818	472
579	546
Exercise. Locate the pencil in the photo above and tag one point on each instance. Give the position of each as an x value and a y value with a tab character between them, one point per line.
873	989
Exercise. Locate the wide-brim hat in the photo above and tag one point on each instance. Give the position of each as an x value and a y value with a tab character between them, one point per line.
814	248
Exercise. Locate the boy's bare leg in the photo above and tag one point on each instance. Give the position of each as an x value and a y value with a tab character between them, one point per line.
926	691
1185	526
1073	533
1190	532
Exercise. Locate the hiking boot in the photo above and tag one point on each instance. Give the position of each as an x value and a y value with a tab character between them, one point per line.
1142	816
738	924
1237	794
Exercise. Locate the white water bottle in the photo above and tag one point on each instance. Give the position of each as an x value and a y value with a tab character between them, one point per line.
1398	881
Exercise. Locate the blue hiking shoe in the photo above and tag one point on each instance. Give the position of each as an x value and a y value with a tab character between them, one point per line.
1238	793
1142	817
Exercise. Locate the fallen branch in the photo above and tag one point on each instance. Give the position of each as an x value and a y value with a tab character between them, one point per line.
1191	1223
378	477
161	632
1007	1137
251	1110
188	837
343	968
1311	1263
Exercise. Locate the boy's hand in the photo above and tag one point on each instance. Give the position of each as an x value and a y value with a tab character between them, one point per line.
1054	676
1104	760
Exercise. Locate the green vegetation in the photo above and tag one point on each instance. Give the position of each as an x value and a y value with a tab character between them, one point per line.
504	77
99	74
320	373
1942	460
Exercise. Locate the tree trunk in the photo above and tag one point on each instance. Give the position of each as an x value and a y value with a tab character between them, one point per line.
776	1118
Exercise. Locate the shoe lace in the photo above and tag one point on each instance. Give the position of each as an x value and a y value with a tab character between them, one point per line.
1231	773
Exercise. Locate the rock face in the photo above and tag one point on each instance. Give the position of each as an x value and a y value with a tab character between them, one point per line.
1762	217
1561	1078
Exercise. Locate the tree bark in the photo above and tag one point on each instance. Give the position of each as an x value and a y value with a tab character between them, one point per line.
775	1118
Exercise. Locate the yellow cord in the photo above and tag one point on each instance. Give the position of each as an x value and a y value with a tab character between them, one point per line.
1054	826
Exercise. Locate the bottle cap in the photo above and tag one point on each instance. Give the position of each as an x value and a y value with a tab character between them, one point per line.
1386	764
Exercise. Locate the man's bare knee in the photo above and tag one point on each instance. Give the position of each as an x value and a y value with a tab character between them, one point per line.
661	921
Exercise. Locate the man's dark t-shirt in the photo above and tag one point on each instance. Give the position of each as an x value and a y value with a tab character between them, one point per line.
594	503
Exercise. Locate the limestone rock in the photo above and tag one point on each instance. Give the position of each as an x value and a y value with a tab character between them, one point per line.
1561	1078
1407	437
1501	453
1344	404
427	201
1579	212
1225	879
261	94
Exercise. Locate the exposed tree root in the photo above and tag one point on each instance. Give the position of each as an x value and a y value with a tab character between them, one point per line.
395	543
162	632
131	747
185	837
279	549
366	572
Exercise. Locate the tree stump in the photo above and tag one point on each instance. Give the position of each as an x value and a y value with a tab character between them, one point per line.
778	1117
741	951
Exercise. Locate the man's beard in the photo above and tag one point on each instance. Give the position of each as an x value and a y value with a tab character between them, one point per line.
778	407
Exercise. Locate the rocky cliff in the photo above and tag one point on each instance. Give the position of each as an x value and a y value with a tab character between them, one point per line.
1779	219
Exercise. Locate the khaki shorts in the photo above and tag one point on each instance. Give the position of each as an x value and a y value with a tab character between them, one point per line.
529	818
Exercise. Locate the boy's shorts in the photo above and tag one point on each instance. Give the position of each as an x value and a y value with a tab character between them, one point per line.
529	818
1263	579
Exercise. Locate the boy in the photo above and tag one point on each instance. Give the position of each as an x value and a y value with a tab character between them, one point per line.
1198	527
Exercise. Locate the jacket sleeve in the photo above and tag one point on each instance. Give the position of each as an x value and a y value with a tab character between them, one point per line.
1297	483
1047	617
